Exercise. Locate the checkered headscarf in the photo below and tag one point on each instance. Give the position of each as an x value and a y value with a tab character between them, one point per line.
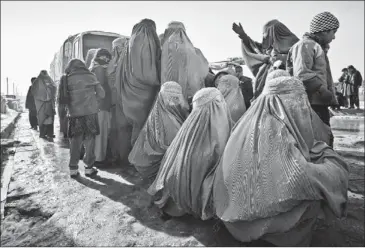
324	21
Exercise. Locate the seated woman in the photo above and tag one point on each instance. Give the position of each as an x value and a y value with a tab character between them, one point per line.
193	153
228	85
164	121
276	176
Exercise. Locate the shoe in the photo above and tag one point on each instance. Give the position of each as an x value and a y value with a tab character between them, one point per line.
74	173
89	172
42	136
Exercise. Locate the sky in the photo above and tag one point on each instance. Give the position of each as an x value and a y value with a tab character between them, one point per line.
33	31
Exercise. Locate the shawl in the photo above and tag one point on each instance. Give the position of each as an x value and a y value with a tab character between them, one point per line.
196	148
181	62
276	36
140	74
228	85
273	162
29	103
164	121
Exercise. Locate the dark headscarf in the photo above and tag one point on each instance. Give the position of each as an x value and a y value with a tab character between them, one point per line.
97	57
278	37
74	67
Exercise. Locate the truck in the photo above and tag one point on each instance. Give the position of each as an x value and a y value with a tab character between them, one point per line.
77	46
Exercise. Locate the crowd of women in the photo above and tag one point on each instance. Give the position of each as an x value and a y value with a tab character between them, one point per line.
266	170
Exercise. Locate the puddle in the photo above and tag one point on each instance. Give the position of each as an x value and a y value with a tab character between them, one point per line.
354	195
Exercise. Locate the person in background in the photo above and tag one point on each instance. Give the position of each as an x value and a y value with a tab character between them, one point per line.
260	57
308	62
355	80
30	105
99	67
89	57
228	85
44	91
79	90
120	131
346	87
245	85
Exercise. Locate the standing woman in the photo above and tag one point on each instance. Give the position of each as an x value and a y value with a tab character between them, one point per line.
99	67
140	75
44	91
120	143
260	57
30	105
181	62
80	90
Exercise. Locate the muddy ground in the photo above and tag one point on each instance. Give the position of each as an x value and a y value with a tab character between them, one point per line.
47	208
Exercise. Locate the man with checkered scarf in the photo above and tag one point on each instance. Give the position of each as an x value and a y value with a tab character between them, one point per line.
308	61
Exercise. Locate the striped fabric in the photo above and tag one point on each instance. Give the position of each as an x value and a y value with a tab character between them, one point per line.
324	21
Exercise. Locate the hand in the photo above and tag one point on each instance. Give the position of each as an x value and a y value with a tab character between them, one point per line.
237	29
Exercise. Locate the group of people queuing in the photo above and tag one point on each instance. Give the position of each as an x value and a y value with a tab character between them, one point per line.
348	90
264	165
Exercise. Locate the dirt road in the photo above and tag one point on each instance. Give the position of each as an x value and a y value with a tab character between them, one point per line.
47	208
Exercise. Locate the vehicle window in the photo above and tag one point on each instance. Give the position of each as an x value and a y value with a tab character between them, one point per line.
92	41
76	49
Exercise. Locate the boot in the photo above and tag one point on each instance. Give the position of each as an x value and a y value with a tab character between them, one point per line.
42	131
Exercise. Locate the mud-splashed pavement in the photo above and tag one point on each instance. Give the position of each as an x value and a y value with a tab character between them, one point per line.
47	208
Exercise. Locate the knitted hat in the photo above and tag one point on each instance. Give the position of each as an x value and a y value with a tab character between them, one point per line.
324	21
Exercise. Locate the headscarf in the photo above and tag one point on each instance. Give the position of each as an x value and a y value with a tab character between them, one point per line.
164	121
97	61
324	21
228	85
273	162
89	57
196	148
181	62
279	37
140	74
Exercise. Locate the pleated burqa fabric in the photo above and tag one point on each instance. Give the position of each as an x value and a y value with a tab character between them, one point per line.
276	176
191	156
181	62
120	133
165	120
277	37
228	85
140	75
44	91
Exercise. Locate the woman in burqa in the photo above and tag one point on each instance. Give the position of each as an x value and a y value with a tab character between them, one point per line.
165	120
120	132
44	91
181	62
261	57
140	75
228	85
276	175
99	66
179	187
